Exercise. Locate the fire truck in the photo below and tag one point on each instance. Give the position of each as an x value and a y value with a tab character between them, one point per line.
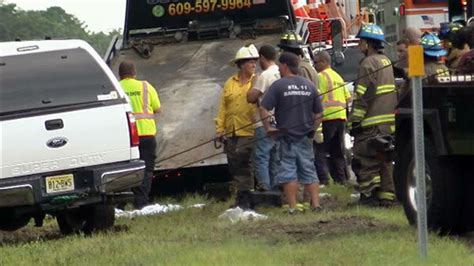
426	15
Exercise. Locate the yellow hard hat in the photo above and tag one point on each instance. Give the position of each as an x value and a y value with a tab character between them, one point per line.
246	52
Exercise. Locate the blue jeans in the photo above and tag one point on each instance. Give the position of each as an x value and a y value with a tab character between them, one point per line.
296	161
265	159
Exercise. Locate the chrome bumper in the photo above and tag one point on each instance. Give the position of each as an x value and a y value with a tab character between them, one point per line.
20	195
121	179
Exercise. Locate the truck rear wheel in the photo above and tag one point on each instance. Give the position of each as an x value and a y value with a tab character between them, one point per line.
71	221
100	217
87	219
10	222
443	189
405	182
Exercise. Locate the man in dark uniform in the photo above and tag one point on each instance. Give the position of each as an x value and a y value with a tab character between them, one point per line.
372	116
298	112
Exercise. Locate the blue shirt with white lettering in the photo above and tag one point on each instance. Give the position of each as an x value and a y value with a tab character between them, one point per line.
296	102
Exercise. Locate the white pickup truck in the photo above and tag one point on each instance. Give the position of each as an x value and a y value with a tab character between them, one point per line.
69	142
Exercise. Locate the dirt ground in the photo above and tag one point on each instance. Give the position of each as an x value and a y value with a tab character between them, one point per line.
331	227
45	233
29	234
319	228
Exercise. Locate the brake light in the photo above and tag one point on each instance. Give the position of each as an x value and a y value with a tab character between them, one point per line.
132	128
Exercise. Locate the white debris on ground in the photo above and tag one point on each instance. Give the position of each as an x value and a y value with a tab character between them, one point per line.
154	209
324	195
355	195
237	214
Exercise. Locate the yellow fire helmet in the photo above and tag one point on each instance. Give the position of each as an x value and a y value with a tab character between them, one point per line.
246	52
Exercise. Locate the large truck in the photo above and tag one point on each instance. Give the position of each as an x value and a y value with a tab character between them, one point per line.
183	48
449	154
448	125
427	15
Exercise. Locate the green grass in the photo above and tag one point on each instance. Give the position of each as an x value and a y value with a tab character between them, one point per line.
340	236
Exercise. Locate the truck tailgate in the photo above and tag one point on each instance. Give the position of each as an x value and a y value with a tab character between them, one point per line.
87	137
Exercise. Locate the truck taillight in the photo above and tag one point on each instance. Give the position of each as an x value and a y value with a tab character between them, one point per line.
132	128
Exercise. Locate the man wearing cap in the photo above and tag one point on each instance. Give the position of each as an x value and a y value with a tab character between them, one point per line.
292	42
234	120
298	112
372	116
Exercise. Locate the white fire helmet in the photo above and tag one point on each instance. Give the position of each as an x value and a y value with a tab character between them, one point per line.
246	52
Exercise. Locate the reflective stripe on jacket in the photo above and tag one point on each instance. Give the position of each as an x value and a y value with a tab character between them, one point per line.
144	101
434	69
375	98
334	95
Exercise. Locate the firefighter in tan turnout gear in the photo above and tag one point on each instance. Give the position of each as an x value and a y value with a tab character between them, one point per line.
433	51
372	117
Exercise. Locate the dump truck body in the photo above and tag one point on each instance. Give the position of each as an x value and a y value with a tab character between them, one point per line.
185	54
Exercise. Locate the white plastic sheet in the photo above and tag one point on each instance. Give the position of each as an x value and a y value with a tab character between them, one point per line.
235	215
154	209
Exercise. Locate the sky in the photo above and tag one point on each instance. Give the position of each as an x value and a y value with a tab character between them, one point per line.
98	15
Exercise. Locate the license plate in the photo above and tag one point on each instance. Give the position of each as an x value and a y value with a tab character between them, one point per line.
59	183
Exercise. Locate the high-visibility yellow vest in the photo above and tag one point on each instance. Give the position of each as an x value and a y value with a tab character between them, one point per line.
334	95
144	101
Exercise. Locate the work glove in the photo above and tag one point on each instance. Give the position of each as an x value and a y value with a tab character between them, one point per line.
318	136
354	128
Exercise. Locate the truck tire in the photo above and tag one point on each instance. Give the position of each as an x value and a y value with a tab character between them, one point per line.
100	217
445	210
86	219
443	189
9	222
405	180
71	221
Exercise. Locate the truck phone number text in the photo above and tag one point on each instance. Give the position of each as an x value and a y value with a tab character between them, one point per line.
206	6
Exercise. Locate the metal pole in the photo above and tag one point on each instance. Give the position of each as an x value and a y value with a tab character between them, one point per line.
419	150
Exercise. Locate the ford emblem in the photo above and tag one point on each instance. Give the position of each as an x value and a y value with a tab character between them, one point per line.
56	142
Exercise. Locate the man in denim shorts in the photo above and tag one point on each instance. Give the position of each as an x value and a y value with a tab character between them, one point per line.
298	111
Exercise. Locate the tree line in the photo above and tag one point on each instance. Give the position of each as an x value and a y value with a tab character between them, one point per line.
54	23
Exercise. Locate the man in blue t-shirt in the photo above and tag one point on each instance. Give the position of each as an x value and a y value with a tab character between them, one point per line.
298	111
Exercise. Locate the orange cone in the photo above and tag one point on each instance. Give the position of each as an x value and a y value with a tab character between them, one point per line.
313	9
300	11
